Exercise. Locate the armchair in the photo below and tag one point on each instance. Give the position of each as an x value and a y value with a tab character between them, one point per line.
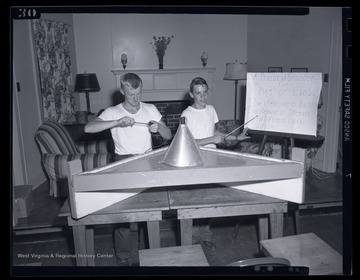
57	148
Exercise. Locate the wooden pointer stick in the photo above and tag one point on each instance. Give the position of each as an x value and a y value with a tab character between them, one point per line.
240	126
141	123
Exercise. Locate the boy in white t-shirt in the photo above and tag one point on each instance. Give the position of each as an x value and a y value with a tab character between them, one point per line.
129	139
201	119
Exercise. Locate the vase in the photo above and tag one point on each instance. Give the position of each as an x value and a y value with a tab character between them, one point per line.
161	61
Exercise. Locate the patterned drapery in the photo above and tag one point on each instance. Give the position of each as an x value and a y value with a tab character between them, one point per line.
53	53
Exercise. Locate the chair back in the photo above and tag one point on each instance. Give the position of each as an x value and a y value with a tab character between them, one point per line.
53	138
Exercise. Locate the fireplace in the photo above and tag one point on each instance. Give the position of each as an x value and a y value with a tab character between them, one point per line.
171	112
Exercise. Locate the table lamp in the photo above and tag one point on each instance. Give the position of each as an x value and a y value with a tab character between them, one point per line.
235	72
87	82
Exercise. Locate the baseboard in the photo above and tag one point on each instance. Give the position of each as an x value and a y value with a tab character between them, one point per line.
35	186
37	179
38	230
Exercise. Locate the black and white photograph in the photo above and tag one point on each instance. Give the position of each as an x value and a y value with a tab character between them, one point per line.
274	69
299	70
202	140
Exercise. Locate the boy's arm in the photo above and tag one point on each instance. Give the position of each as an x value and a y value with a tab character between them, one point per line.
217	138
160	127
98	124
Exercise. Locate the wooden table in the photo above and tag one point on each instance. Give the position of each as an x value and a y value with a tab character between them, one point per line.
191	202
188	192
305	250
146	206
214	200
192	255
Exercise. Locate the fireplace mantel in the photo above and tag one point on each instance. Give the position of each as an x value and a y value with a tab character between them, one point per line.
168	84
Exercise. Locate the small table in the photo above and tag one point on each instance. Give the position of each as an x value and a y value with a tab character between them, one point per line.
305	250
192	255
146	206
213	200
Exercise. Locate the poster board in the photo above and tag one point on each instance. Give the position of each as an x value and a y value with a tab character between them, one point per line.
283	102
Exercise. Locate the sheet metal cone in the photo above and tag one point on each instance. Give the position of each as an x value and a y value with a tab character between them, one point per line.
183	150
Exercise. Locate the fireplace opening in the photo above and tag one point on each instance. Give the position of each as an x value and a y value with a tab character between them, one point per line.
171	112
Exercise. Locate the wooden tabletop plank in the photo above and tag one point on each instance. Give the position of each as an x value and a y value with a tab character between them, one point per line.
213	195
305	250
192	255
149	200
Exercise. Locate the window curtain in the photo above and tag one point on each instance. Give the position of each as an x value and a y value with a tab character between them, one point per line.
53	54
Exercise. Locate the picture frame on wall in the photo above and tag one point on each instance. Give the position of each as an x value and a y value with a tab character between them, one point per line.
274	69
301	70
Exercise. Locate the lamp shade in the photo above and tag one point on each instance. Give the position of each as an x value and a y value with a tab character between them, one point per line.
86	82
235	71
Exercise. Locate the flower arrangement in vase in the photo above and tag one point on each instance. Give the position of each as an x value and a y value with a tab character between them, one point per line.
159	45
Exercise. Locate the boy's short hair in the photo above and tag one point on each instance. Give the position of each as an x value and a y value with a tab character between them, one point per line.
131	80
198	81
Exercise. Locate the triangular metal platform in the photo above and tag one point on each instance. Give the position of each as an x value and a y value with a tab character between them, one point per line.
279	178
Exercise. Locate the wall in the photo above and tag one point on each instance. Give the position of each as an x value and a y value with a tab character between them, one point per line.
223	37
291	41
26	109
287	41
27	104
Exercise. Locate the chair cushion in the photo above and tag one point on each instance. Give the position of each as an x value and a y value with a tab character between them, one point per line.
56	167
53	138
95	146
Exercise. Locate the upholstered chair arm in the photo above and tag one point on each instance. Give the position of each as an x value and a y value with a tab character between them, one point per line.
56	165
95	146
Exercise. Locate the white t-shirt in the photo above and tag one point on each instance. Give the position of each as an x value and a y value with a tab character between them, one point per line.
135	139
201	122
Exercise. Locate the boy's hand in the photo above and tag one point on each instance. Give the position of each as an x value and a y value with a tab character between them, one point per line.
218	138
242	136
126	121
154	126
230	138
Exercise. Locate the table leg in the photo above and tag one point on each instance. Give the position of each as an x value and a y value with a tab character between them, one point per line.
277	225
153	234
297	220
79	244
90	245
186	232
263	228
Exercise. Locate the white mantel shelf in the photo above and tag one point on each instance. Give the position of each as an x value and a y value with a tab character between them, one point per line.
162	71
170	83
